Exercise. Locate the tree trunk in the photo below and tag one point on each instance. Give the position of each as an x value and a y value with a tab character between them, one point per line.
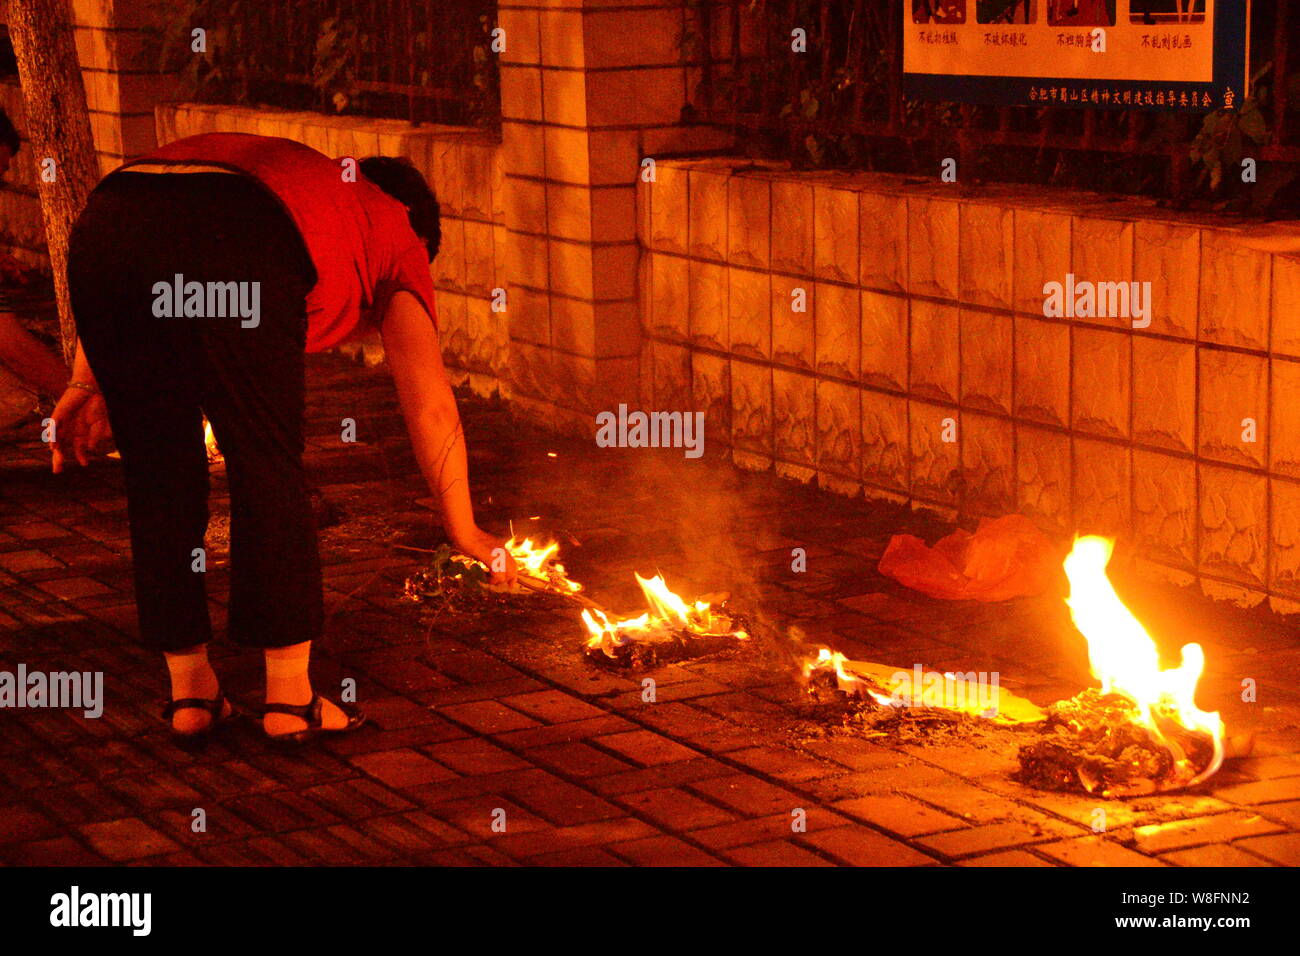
59	129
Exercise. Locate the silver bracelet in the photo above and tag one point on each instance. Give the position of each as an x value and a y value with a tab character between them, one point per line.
82	385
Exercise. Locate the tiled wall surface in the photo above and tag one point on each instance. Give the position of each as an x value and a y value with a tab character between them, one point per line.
924	322
464	168
22	229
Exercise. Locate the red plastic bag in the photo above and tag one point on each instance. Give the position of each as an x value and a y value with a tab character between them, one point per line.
1006	557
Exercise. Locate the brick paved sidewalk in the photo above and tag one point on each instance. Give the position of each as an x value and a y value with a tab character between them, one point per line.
502	712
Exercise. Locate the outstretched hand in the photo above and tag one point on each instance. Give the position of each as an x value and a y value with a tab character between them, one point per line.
81	428
492	551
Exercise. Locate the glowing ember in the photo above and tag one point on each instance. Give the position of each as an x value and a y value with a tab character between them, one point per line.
670	624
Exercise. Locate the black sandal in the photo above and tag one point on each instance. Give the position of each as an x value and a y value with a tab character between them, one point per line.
312	713
215	708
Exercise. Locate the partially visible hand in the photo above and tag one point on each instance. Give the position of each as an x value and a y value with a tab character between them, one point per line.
81	428
492	551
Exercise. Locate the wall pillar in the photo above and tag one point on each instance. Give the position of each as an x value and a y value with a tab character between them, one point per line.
588	87
122	80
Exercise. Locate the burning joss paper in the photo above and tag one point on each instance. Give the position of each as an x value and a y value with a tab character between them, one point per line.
828	665
538	562
451	581
670	629
975	694
1142	732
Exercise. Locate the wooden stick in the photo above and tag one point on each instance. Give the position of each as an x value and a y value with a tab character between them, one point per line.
537	584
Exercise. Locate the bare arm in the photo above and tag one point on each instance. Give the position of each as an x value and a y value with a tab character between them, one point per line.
81	368
415	358
27	358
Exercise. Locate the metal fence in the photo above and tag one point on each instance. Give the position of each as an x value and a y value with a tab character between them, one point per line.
420	60
842	104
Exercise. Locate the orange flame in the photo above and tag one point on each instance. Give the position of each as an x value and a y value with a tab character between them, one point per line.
1126	661
668	614
538	561
210	442
845	680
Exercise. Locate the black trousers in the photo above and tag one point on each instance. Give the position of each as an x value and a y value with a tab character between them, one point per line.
158	374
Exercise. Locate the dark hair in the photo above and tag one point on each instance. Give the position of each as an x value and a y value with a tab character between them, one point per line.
397	176
9	135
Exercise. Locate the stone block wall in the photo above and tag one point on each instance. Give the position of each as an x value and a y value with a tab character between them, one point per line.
925	371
